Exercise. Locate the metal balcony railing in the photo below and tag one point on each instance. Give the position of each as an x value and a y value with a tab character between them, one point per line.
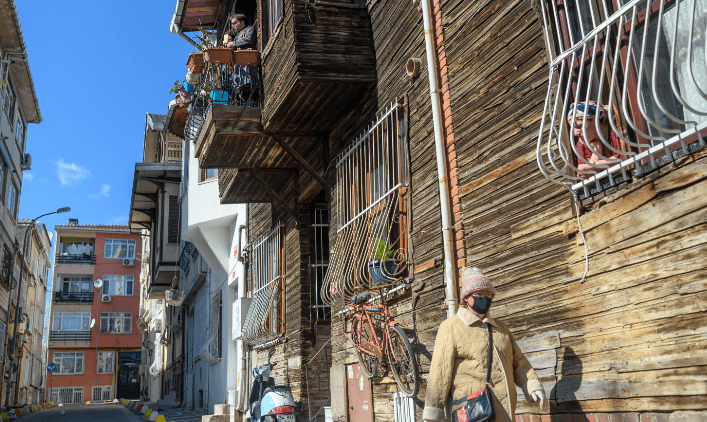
185	256
73	297
76	259
69	335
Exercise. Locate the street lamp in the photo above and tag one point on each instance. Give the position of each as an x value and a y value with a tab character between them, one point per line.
18	308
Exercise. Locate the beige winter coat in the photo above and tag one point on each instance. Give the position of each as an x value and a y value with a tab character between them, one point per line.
459	366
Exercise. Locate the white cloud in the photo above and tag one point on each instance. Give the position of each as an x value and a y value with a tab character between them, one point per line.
118	220
28	176
105	191
70	173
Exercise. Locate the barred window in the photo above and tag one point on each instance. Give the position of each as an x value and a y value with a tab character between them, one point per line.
371	210
102	393
264	320
638	63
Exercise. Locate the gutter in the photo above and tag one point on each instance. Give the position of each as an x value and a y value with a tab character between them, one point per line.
450	276
176	19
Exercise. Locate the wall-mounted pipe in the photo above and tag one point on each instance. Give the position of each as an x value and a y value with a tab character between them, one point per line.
450	275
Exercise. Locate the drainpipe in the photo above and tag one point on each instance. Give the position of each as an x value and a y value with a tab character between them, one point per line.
174	25
450	296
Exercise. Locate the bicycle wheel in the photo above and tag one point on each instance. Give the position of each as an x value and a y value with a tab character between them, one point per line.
369	364
403	363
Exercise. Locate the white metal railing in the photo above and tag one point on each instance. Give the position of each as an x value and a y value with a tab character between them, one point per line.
320	262
644	65
372	176
264	319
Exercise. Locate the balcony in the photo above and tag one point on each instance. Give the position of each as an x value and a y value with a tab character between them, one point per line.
76	259
73	297
69	336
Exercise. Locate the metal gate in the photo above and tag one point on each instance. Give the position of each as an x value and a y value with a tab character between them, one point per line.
67	395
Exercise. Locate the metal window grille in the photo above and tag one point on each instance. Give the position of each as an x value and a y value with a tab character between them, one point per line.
372	179
403	407
101	393
320	262
66	395
264	319
643	62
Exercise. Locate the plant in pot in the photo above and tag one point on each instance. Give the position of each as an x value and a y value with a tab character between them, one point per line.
383	267
183	97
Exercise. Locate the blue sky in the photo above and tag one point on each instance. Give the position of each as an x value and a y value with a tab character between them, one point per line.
98	67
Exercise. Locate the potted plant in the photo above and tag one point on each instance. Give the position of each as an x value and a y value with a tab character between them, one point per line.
195	63
383	267
218	97
218	55
246	57
183	96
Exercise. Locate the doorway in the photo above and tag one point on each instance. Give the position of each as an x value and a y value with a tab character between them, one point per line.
128	375
359	392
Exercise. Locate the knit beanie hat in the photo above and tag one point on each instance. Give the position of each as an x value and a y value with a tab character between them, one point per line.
473	281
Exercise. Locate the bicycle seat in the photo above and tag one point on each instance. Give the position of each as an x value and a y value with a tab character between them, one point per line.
362	298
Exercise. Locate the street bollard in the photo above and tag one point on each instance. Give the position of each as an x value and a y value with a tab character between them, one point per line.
154	416
4	417
147	414
139	407
160	418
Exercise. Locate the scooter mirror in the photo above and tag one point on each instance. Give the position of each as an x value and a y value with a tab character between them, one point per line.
271	352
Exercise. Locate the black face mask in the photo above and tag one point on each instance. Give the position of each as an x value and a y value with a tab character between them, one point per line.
481	305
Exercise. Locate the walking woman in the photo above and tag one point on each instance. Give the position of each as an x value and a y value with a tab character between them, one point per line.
460	368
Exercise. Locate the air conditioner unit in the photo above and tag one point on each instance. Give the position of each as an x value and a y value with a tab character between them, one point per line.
26	163
106	298
128	262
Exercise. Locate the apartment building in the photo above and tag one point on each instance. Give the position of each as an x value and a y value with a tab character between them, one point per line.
28	379
93	338
18	107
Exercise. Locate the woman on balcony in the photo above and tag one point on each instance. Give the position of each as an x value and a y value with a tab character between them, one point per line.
244	38
595	154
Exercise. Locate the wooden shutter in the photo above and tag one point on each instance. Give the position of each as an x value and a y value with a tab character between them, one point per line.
173	223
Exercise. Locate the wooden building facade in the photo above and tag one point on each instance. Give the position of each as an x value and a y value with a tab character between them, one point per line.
603	288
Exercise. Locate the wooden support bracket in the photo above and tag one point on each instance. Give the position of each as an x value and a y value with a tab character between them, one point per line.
300	160
272	193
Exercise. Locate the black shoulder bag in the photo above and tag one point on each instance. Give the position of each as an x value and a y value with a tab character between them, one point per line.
478	407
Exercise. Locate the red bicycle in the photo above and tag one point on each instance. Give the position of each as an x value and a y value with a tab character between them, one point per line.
377	338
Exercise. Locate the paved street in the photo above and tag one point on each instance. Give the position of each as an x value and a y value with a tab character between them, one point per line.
109	412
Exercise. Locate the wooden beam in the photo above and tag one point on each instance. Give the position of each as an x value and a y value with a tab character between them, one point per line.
272	193
301	160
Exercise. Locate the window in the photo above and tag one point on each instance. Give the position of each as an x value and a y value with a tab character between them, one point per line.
66	395
371	206
2	178
264	319
68	362
208	174
9	103
116	322
120	249
651	97
71	321
6	272
102	393
12	202
76	284
20	132
173	220
118	285
76	250
272	14
3	328
215	325
320	260
106	362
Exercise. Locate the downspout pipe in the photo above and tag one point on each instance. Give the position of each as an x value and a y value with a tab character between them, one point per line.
450	276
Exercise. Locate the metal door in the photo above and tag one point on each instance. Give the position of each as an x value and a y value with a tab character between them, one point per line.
128	375
359	394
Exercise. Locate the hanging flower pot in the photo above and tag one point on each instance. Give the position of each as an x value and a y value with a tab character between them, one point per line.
174	297
219	97
196	62
218	55
246	57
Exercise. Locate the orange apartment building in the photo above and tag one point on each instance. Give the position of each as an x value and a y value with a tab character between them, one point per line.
93	338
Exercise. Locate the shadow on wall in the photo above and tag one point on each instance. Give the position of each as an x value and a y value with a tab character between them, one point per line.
565	391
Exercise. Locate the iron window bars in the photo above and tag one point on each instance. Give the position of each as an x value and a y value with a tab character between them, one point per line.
264	320
644	61
371	241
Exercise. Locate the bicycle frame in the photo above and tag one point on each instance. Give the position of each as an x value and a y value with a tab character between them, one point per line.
363	312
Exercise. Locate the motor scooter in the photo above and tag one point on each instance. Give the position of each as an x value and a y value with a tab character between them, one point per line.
270	402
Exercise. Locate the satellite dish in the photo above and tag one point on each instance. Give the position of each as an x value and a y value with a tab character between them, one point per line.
93	322
98	283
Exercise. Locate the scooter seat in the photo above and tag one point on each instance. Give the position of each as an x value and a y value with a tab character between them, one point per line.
362	298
